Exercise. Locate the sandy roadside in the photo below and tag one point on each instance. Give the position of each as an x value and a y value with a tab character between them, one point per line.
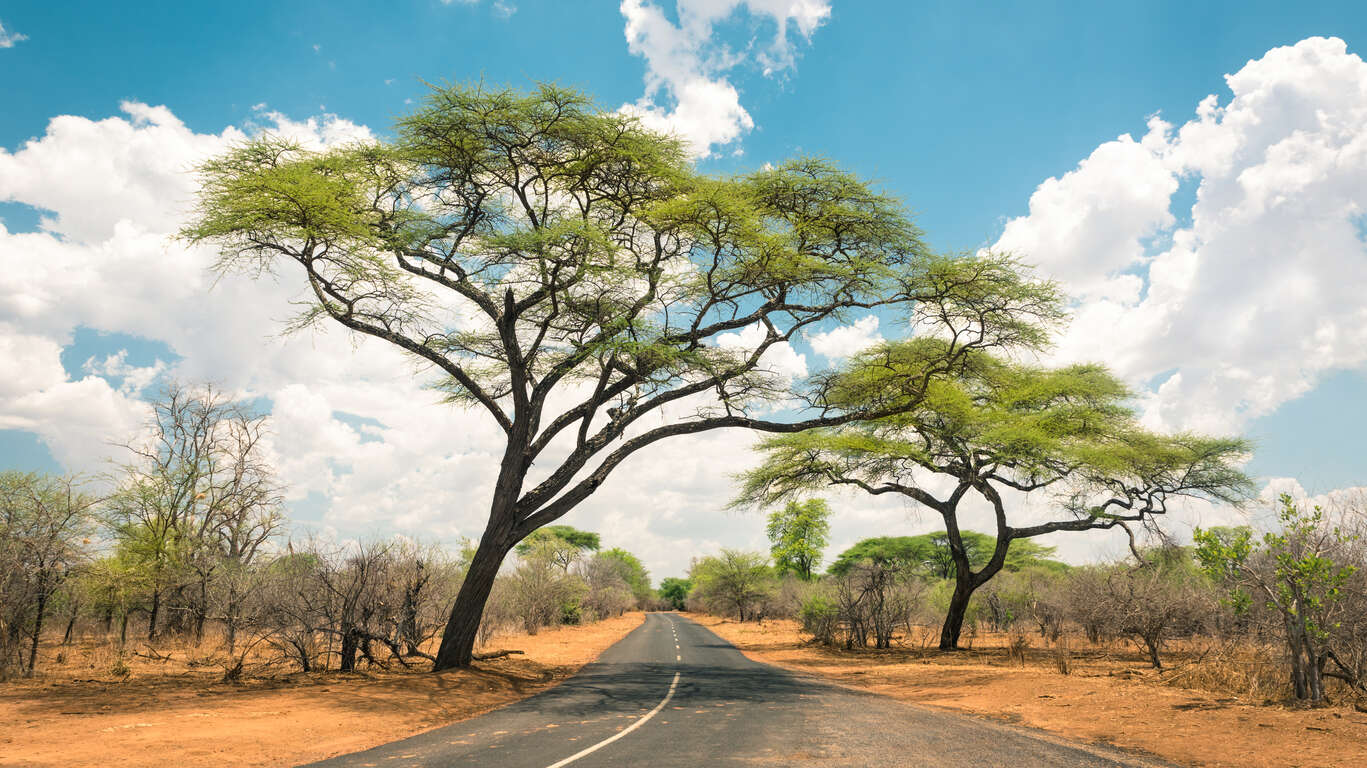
1093	704
189	721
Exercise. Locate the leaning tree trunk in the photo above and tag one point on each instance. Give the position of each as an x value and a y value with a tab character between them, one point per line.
958	609
458	641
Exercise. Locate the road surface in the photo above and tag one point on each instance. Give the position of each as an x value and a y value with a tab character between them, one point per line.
672	693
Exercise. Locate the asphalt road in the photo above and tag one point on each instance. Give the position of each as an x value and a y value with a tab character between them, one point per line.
672	693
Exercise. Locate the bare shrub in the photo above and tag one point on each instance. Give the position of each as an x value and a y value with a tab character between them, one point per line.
1017	646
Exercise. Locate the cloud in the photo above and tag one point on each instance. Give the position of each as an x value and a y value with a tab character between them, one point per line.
687	91
1221	311
8	39
780	359
839	343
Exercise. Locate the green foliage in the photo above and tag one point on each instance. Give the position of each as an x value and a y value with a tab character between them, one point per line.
929	554
1299	572
798	534
820	617
733	580
1305	579
894	552
674	591
630	569
581	541
45	525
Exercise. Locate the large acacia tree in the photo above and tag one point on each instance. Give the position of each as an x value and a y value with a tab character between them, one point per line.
989	428
568	272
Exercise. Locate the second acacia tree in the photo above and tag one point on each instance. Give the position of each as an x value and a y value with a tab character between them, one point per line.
987	430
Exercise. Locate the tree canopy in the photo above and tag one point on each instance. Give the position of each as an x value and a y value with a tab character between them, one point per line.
992	427
797	536
930	553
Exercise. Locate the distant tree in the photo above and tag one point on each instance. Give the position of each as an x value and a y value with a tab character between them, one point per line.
563	545
1164	597
197	496
566	270
736	580
1298	572
931	553
45	522
630	569
607	591
797	536
907	553
992	428
674	591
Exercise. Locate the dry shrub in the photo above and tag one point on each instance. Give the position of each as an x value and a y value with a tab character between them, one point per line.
1016	647
1256	672
1063	655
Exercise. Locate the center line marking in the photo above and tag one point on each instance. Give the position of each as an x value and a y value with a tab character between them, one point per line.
639	722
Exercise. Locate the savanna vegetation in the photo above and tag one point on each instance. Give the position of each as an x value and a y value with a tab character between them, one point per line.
1275	615
188	548
570	275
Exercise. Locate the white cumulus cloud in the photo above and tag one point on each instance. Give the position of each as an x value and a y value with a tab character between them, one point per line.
688	92
843	341
1246	299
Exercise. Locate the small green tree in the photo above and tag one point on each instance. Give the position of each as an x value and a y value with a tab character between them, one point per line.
1296	573
563	544
896	552
797	536
734	579
44	524
674	591
631	571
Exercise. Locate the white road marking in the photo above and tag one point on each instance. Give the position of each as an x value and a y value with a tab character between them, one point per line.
678	658
639	722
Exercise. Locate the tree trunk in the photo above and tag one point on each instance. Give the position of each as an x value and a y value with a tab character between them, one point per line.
348	652
1152	644
958	609
152	615
37	632
408	628
458	640
201	610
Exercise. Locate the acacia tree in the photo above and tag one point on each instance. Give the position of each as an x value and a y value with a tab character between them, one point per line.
996	426
563	544
196	499
732	579
797	535
44	524
568	272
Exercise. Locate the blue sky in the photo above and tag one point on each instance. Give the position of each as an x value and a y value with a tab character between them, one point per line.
962	109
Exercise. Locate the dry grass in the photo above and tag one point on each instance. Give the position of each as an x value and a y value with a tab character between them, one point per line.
1110	695
100	707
